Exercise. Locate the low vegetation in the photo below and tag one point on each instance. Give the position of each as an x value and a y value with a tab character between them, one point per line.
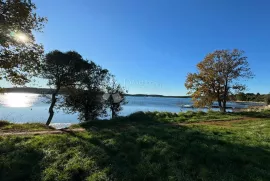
146	146
6	126
267	99
251	97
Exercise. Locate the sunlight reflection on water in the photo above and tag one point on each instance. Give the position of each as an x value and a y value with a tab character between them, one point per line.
18	99
27	107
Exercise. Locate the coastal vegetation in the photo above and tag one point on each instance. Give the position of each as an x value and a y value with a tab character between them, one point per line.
211	146
61	70
267	99
218	78
6	126
145	146
241	96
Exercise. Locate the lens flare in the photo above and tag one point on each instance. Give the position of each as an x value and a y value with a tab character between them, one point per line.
21	37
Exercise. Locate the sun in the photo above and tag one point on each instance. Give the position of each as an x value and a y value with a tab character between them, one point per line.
21	37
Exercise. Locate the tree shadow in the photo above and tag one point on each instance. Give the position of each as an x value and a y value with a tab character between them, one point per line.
149	150
254	114
18	162
138	147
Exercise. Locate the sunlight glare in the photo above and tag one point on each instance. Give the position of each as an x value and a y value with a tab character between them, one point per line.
18	99
21	37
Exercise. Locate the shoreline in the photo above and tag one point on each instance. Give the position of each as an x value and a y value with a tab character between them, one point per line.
248	102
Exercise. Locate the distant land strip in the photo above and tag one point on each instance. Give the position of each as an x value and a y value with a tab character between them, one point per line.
63	91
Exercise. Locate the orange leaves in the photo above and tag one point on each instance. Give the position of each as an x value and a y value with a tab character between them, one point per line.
217	74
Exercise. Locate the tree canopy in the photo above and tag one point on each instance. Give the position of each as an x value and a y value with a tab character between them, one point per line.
19	54
62	70
218	76
86	97
115	96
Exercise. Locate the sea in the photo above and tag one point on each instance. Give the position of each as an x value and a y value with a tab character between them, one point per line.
28	107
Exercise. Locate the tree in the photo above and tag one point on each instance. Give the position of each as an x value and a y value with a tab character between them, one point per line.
267	99
88	103
241	96
86	96
217	78
115	97
61	70
19	54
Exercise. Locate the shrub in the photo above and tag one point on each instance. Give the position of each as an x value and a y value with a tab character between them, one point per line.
4	123
267	99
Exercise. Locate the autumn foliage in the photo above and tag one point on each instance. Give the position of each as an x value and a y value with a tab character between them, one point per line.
218	76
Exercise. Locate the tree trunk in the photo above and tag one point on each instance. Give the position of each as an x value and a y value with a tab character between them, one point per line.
220	104
51	112
225	94
113	109
113	114
224	106
86	114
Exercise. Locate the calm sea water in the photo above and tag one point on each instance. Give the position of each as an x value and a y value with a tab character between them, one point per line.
24	107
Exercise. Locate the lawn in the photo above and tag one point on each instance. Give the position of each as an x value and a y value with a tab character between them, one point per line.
146	146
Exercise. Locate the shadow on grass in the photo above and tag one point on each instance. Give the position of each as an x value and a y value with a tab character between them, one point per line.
253	114
138	147
18	162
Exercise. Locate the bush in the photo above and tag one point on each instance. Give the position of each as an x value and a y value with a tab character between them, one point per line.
267	99
4	123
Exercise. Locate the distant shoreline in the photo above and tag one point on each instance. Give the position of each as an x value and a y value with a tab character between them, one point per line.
49	91
247	102
154	95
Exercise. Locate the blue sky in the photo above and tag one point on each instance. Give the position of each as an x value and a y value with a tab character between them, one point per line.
151	45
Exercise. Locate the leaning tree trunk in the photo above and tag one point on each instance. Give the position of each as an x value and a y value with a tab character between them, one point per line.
51	112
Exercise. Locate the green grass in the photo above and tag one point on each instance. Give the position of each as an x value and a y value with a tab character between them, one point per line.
189	117
144	146
6	126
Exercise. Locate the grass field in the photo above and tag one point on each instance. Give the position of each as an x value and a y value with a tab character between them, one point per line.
146	146
6	126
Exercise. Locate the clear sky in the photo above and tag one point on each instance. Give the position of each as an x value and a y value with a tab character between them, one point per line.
151	45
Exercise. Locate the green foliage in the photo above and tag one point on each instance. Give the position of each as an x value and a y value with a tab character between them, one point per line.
88	103
62	70
4	123
143	146
19	54
116	98
250	97
241	97
267	99
87	96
